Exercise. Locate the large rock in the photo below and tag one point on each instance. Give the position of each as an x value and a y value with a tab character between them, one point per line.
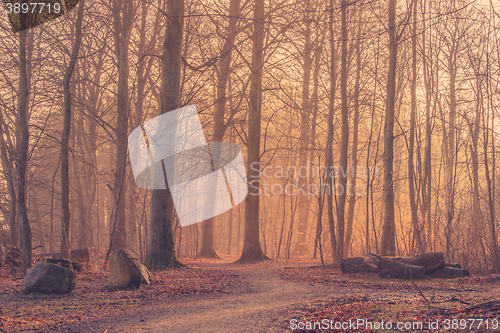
49	279
125	270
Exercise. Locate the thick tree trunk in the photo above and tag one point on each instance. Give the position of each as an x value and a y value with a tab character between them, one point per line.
252	250
161	245
389	226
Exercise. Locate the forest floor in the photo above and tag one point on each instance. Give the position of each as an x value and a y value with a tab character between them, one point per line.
272	296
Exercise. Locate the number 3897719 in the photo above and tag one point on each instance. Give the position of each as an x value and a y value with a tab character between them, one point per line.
33	8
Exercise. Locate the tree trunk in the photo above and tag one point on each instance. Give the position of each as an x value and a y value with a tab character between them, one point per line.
449	143
123	18
304	140
38	219
490	179
82	227
22	149
354	151
329	143
251	242
417	239
344	139
312	151
9	177
143	74
207	241
161	244
65	191
367	166
426	182
389	226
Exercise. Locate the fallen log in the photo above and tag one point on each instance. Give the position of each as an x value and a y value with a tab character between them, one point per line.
430	261
430	264
450	272
358	265
399	270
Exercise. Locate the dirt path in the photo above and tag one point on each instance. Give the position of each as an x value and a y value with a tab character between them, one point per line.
254	305
261	302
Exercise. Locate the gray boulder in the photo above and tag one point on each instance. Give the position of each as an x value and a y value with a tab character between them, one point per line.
125	270
49	279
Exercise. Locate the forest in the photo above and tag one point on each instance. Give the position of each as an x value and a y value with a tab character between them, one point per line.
365	126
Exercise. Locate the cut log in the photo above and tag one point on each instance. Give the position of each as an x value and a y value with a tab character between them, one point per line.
450	272
358	265
399	270
430	261
430	264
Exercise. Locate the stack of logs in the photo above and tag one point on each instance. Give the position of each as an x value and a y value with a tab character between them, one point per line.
429	264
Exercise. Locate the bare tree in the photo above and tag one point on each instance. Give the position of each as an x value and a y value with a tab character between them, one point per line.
251	244
355	132
123	18
411	168
65	191
344	138
329	142
207	241
22	142
9	176
389	226
305	127
161	247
